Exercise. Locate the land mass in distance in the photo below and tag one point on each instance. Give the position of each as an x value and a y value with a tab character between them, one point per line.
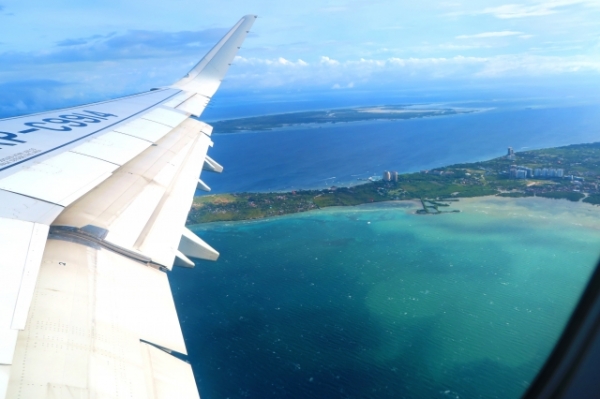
436	189
343	115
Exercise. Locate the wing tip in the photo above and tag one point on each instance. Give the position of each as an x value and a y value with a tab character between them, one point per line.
232	40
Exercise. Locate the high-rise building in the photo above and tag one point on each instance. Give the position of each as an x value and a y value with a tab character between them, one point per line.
548	172
510	154
544	172
521	172
387	176
394	176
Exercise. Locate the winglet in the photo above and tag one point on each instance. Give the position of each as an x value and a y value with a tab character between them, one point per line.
207	75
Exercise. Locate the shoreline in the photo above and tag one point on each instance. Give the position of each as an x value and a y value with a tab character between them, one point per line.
329	117
570	172
411	206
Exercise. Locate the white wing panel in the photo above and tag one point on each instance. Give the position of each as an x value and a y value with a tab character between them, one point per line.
207	75
8	341
166	175
207	129
194	105
15	206
61	179
35	252
65	342
114	206
178	99
50	133
137	298
128	225
169	376
164	230
113	147
166	117
4	378
194	246
90	310
145	129
15	245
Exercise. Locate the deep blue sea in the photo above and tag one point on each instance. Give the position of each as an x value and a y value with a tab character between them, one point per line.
326	155
375	301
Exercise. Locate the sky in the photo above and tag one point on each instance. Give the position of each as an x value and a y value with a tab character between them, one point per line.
58	53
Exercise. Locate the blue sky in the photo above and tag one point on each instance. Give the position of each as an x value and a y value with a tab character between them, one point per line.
64	52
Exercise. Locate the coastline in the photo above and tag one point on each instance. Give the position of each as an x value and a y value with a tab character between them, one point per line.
570	172
519	208
318	118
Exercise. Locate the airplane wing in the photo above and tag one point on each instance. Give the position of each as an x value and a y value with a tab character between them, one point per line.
93	204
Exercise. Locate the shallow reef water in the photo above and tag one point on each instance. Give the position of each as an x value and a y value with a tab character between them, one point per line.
375	301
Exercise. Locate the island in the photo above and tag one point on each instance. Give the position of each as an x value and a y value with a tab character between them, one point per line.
571	173
343	115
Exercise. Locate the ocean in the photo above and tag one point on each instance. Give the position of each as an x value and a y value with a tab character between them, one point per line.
339	154
378	302
374	301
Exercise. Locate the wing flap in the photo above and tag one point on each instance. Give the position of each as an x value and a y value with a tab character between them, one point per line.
123	204
143	206
160	240
169	377
90	311
143	297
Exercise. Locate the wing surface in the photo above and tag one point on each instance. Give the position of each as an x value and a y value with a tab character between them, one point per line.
93	203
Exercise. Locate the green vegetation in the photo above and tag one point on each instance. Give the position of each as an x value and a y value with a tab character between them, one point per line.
387	112
568	195
436	188
593	199
516	194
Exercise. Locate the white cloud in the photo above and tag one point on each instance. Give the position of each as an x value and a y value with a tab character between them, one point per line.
452	46
490	34
328	61
239	60
508	11
337	86
328	73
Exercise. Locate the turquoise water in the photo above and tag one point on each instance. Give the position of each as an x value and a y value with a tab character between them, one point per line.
377	302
